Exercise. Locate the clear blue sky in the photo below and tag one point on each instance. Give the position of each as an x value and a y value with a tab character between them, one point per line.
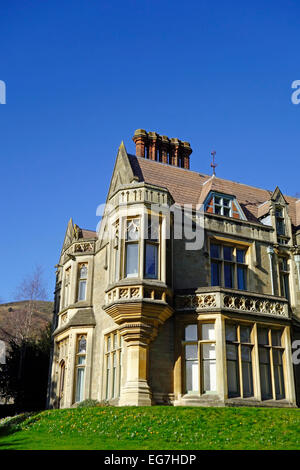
83	75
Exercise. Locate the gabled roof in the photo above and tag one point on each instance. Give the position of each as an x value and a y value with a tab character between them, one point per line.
190	187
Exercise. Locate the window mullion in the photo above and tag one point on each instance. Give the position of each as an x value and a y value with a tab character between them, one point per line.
200	368
271	364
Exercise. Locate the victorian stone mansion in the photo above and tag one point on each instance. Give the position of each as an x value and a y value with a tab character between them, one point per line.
142	320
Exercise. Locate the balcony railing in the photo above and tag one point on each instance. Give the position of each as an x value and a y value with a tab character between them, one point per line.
242	302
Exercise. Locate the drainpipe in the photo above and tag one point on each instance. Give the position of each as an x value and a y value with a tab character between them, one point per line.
297	261
270	251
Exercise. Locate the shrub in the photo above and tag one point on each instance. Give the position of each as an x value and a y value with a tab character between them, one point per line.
87	403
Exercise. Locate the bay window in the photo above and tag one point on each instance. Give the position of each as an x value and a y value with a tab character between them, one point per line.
136	248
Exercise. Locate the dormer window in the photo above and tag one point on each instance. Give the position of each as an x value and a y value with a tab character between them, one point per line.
222	204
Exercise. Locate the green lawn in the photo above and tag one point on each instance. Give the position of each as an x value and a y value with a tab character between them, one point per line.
155	428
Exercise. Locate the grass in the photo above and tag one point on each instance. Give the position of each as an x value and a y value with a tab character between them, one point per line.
154	428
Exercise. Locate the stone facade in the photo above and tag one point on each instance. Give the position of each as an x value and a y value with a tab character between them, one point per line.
141	320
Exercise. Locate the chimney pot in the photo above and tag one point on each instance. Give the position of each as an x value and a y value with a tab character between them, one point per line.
161	148
140	139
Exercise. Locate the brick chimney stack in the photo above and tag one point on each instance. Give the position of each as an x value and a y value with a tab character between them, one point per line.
162	149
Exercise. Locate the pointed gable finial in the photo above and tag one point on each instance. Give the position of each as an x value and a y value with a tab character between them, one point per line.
213	164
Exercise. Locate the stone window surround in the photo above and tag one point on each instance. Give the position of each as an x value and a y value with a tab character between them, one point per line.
234	244
121	218
109	355
74	266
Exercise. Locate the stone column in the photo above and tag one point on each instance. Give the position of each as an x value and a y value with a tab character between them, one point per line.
136	391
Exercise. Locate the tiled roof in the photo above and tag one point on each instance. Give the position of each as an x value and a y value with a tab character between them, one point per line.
190	187
88	233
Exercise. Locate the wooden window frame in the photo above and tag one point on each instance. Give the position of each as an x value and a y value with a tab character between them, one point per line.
221	262
239	344
112	387
199	342
78	365
270	347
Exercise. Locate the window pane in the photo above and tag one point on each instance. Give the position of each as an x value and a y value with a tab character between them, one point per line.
232	370
245	332
227	253
228	277
83	272
151	261
247	371
79	384
226	211
233	379
215	251
192	376
240	256
82	345
191	351
241	278
231	334
191	333
153	229
209	368
208	331
108	367
133	229
263	336
278	374
215	274
132	252
231	350
276	337
81	360
265	374
226	202
208	351
82	290
114	376
285	286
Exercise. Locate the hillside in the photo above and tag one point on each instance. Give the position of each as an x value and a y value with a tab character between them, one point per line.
155	428
9	313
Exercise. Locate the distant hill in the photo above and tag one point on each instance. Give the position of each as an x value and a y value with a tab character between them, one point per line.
43	314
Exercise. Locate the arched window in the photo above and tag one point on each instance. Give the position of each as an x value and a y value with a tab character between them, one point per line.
80	368
132	248
82	281
62	368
